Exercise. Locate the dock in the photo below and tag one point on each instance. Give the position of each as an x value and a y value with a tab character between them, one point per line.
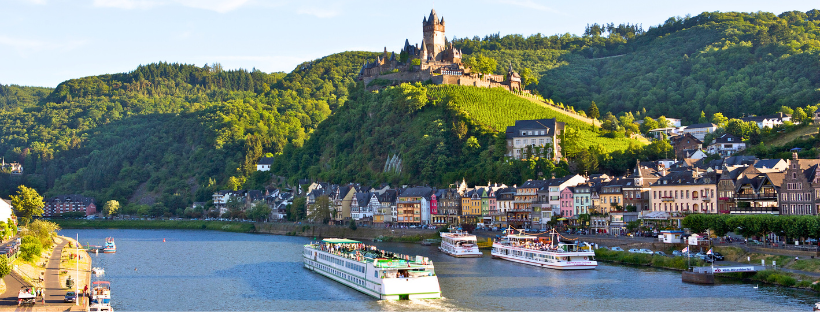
706	275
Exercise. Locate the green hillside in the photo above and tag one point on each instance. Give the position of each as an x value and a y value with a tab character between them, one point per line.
442	134
733	63
496	109
167	133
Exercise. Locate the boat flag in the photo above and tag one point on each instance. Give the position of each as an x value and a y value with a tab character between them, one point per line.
709	252
685	250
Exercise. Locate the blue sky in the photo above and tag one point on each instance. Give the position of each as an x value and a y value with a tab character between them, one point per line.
44	42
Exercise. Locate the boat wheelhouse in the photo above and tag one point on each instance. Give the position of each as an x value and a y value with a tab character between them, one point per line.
378	273
460	244
101	293
110	247
549	253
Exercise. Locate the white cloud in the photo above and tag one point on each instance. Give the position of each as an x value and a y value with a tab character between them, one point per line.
529	4
219	6
24	47
319	12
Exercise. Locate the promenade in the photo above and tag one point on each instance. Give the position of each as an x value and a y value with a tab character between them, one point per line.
53	281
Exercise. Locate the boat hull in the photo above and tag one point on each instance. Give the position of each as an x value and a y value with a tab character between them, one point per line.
467	254
423	287
556	260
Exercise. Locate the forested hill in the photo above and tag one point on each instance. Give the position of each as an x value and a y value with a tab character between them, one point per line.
442	134
733	63
168	133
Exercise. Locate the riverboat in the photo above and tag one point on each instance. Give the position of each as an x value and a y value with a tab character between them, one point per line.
460	245
553	254
381	274
100	293
109	247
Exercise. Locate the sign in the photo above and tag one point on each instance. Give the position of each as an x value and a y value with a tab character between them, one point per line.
733	269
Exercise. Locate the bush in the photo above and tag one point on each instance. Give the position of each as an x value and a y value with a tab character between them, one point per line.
30	252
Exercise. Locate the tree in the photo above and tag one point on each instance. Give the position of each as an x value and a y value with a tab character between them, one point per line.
352	225
111	207
5	267
592	111
719	120
737	127
27	204
321	210
799	115
702	118
297	211
259	212
648	124
528	78
663	123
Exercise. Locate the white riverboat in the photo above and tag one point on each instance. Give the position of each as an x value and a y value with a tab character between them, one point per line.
378	273
459	244
553	254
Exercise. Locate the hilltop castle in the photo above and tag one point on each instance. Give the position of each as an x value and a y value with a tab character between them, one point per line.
435	60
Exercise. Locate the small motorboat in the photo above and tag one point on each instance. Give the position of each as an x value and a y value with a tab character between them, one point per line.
110	247
98	271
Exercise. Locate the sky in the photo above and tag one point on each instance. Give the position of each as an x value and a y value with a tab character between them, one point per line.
45	42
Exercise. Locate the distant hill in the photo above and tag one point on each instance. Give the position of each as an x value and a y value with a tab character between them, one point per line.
166	133
734	63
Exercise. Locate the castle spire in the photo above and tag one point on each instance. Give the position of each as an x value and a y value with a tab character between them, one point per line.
433	19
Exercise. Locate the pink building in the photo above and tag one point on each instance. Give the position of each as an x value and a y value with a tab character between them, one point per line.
567	204
433	205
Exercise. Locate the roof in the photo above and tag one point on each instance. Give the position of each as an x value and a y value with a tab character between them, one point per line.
549	125
768	163
419	191
726	139
702	125
265	161
340	241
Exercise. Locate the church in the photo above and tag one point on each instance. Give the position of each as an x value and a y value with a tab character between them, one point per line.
436	60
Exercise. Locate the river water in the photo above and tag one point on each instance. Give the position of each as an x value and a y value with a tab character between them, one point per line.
214	271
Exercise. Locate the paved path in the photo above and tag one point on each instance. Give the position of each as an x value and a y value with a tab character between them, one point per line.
54	285
13	284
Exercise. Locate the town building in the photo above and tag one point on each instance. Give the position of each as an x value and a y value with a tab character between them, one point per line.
688	191
581	199
410	204
797	193
6	211
504	199
264	164
684	142
61	204
567	203
700	130
535	138
726	145
769	121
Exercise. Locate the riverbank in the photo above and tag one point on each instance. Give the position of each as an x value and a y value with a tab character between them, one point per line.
226	226
277	228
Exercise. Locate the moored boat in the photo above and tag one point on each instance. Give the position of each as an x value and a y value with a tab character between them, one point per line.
460	244
109	247
100	293
553	254
378	273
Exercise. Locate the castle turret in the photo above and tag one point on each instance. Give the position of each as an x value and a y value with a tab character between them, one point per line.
434	35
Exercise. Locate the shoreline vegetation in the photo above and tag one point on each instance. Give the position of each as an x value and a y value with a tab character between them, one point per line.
769	276
225	226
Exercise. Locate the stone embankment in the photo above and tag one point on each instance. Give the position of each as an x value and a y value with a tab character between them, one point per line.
324	231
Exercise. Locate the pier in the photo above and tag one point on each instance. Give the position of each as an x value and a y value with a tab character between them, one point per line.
706	275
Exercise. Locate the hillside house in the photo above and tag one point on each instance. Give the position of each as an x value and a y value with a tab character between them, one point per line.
700	130
69	203
726	145
528	138
264	164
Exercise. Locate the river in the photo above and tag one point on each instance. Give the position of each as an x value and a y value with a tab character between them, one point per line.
214	271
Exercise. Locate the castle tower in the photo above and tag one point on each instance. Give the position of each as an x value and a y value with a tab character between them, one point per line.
434	35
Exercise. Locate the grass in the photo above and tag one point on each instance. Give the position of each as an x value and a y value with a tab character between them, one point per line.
797	133
674	263
226	226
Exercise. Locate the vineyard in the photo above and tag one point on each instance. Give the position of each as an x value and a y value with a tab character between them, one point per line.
496	108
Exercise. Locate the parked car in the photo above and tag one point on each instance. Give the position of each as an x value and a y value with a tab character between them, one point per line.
70	297
677	253
646	251
634	250
718	256
662	254
616	249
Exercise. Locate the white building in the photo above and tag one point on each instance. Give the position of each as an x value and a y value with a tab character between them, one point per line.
534	136
5	210
700	130
726	145
264	164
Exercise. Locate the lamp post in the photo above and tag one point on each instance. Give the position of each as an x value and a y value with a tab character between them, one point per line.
76	284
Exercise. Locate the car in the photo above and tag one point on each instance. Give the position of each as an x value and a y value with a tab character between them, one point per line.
70	296
718	256
708	258
677	253
646	251
616	249
634	250
661	253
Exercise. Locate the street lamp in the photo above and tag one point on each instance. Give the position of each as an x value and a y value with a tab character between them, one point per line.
76	284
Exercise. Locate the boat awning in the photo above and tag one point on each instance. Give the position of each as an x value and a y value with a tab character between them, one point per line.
340	241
